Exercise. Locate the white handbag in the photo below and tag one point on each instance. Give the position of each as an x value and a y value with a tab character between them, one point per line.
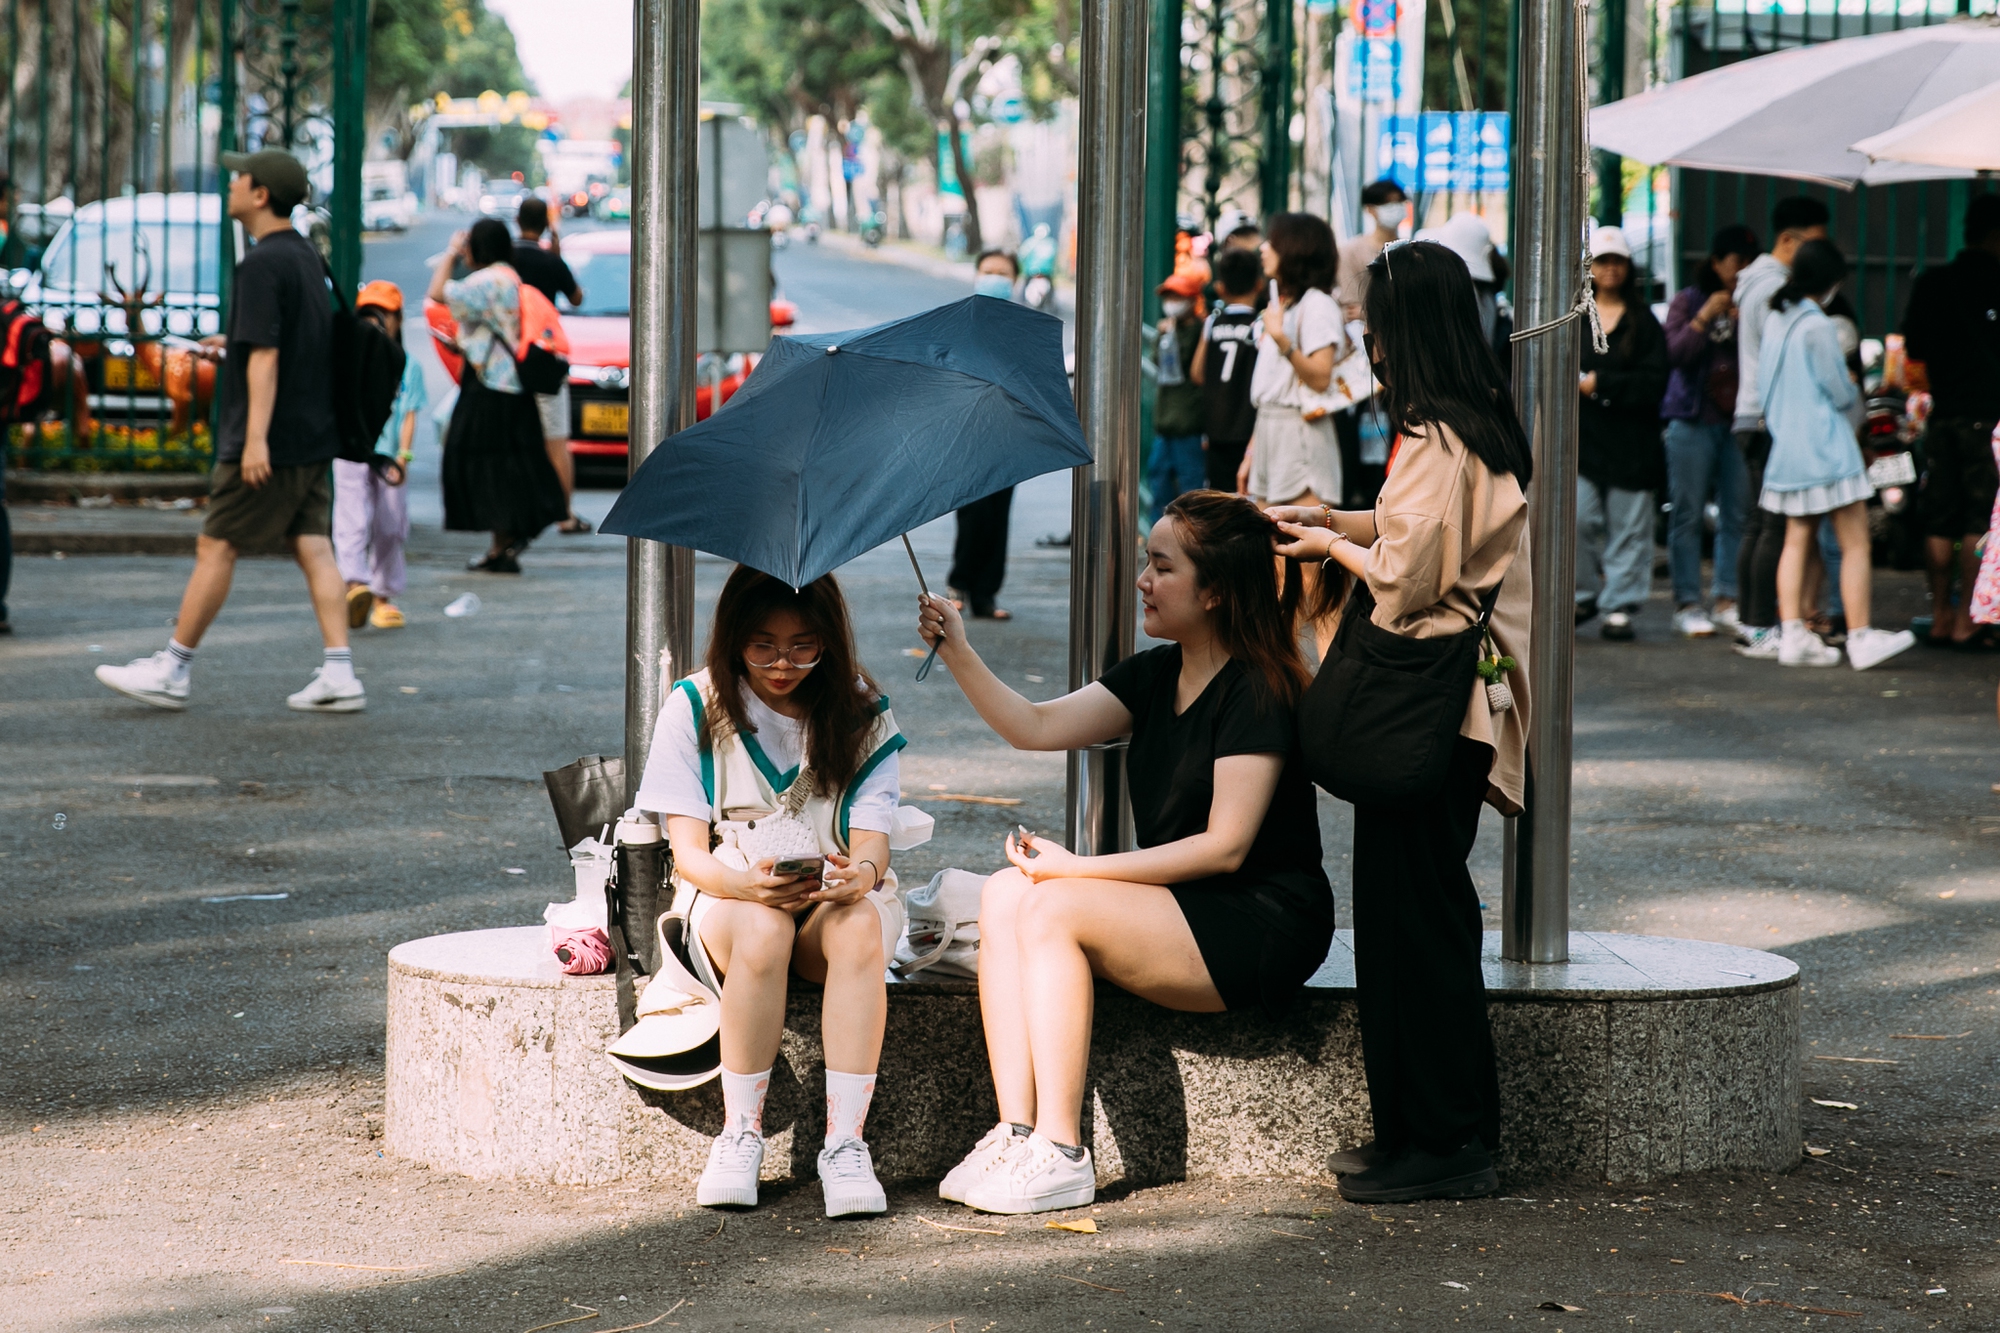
1353	379
941	927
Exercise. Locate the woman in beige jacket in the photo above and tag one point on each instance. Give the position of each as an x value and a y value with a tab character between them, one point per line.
1450	525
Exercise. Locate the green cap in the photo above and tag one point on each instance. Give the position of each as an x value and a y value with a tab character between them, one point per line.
279	172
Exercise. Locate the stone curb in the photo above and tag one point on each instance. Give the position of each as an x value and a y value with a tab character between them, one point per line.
122	487
103	543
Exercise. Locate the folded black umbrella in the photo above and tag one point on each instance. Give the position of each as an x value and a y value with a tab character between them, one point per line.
839	442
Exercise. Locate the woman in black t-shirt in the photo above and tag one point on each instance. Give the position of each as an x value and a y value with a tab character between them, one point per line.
1224	906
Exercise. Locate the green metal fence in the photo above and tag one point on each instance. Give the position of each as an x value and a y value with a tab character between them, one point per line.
111	124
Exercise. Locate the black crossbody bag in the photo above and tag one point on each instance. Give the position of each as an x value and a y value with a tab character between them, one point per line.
1381	719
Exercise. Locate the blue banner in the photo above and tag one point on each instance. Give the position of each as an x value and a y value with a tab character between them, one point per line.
1458	152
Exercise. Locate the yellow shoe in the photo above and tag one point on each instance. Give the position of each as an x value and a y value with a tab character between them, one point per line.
386	616
358	601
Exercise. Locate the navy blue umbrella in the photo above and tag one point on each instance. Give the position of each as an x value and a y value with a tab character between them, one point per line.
839	442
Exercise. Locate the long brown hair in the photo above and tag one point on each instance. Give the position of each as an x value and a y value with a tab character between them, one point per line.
1228	540
838	713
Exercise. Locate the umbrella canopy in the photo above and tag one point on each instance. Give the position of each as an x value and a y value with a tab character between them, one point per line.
1795	113
1963	134
839	442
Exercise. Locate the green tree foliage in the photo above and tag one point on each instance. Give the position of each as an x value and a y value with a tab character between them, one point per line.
787	60
419	48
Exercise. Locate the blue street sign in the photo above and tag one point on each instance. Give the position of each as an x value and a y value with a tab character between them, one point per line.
1374	71
1461	152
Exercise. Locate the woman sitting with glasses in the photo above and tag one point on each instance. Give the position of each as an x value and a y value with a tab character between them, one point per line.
775	771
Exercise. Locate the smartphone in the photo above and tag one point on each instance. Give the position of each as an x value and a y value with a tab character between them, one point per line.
799	865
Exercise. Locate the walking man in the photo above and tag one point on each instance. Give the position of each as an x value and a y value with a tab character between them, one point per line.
542	268
271	487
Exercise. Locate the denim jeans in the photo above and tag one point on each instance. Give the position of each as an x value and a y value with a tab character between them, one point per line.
1614	546
1702	459
1177	464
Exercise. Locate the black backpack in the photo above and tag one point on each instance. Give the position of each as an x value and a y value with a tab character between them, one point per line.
367	374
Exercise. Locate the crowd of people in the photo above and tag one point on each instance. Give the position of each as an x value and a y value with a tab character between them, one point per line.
1684	410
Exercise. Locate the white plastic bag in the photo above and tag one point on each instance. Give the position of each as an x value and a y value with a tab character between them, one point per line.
941	927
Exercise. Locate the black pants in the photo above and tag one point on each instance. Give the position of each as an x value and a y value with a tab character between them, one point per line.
1763	539
979	556
1425	1040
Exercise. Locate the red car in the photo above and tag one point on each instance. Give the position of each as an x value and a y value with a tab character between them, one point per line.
600	349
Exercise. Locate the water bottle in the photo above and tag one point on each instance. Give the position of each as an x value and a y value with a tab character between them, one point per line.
641	859
1168	359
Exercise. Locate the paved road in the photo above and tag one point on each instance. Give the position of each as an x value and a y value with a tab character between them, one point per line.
190	1089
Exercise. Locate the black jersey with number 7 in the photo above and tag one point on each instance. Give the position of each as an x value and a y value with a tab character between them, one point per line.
1231	335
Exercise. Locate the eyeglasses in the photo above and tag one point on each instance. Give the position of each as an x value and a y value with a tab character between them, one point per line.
800	657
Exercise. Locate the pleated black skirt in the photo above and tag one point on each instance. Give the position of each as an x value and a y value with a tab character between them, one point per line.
497	474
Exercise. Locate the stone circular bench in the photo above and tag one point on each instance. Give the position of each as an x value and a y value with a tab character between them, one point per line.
1640	1058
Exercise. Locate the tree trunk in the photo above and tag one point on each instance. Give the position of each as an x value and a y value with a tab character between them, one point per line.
975	240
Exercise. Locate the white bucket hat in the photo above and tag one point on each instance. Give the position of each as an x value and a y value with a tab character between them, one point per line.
1467	236
677	1042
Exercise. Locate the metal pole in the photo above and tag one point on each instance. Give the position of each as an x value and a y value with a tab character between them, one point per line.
1163	150
1104	513
1274	166
1611	87
666	118
350	138
1548	249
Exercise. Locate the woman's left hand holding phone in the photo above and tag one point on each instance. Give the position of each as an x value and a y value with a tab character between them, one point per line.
761	883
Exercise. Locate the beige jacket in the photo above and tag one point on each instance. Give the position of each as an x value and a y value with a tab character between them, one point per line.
1447	529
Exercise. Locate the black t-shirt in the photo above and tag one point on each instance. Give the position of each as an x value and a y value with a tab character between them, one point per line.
543	271
1231	335
1953	327
281	299
1170	769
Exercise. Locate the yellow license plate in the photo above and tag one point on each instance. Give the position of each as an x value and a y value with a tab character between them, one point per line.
122	372
606	418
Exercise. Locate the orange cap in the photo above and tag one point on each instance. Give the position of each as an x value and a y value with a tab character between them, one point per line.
387	295
1188	281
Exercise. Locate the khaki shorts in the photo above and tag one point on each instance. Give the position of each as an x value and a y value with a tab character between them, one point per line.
554	408
294	502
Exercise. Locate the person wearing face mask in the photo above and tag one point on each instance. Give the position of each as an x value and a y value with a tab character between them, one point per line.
979	554
1384	210
1811	409
1177	463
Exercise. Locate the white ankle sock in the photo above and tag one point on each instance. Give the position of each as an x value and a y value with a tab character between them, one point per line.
847	1098
339	666
183	658
743	1100
1794	629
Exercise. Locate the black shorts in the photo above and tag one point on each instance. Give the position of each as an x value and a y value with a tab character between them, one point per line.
292	502
1258	941
1959	477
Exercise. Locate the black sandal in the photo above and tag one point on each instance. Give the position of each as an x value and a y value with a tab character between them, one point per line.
574	526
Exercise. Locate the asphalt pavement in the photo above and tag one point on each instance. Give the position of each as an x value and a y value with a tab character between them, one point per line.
199	905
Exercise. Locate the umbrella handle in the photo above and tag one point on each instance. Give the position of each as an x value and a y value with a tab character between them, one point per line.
929	661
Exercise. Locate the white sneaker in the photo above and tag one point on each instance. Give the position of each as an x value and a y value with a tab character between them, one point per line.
1760	642
1868	646
847	1177
1691	622
1725	619
151	680
1800	647
322	696
1035	1177
984	1156
730	1178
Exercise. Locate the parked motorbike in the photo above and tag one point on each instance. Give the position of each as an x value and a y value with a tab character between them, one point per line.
1890	435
